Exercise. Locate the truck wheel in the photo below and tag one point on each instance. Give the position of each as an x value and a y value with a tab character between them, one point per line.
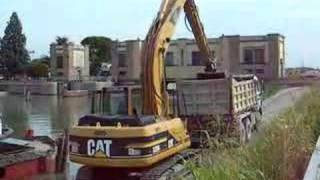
248	129
245	130
242	131
257	119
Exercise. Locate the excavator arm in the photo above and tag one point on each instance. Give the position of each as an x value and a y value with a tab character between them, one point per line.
192	15
155	98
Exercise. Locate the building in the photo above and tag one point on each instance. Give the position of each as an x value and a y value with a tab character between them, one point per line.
69	62
126	64
260	55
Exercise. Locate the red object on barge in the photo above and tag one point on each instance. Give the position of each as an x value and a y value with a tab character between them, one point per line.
27	158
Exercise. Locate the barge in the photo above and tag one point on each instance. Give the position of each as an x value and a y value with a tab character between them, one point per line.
21	158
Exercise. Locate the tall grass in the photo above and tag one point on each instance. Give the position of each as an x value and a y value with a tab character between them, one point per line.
280	152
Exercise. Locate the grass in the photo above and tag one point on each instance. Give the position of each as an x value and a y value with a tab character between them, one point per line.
271	89
280	152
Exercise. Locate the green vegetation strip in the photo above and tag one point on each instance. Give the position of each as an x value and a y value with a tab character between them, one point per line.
271	89
280	151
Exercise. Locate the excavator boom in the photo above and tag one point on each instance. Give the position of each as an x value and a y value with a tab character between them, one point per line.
193	17
155	98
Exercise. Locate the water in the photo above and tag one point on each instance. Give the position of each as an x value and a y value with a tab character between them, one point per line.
43	114
47	115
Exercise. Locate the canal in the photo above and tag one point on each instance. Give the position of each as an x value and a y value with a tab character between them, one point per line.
44	114
47	115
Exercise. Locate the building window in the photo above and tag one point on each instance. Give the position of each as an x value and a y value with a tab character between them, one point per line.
123	73
213	54
60	74
197	58
123	60
182	57
78	59
259	56
248	56
170	59
255	71
254	56
59	62
250	71
260	71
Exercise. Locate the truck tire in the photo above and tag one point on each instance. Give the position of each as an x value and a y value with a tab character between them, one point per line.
245	130
257	121
242	131
249	128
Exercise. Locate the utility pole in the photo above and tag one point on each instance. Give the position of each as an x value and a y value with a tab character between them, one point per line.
254	62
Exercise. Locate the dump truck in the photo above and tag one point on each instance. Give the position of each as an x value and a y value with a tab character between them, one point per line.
229	107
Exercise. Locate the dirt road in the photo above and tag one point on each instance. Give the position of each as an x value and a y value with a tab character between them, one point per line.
281	101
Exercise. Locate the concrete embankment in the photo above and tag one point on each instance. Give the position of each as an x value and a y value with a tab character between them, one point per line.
34	87
50	87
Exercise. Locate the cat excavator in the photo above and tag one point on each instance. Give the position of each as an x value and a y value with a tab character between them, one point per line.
138	140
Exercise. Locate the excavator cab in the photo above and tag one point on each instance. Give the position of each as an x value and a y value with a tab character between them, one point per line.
126	100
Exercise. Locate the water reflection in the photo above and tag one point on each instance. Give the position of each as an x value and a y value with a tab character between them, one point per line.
44	114
47	114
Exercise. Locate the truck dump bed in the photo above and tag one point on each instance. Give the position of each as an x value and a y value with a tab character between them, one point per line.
216	96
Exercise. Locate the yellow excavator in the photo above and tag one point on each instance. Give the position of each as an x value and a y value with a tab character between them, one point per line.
133	140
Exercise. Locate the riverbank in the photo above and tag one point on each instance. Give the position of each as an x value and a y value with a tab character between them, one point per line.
281	150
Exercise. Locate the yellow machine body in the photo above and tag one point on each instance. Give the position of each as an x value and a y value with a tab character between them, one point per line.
127	147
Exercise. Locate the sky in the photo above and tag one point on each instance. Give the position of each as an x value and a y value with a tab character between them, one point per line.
43	20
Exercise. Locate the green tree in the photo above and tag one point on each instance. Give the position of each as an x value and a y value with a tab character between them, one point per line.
40	70
61	40
13	50
43	59
38	67
100	51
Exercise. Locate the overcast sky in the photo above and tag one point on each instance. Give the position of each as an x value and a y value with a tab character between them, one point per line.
43	20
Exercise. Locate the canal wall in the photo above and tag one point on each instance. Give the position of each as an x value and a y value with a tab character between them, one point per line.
89	85
51	87
34	87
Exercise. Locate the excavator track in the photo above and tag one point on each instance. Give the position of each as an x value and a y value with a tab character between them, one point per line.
172	168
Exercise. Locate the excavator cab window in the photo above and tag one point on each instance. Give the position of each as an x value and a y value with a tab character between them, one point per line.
137	101
117	104
122	101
